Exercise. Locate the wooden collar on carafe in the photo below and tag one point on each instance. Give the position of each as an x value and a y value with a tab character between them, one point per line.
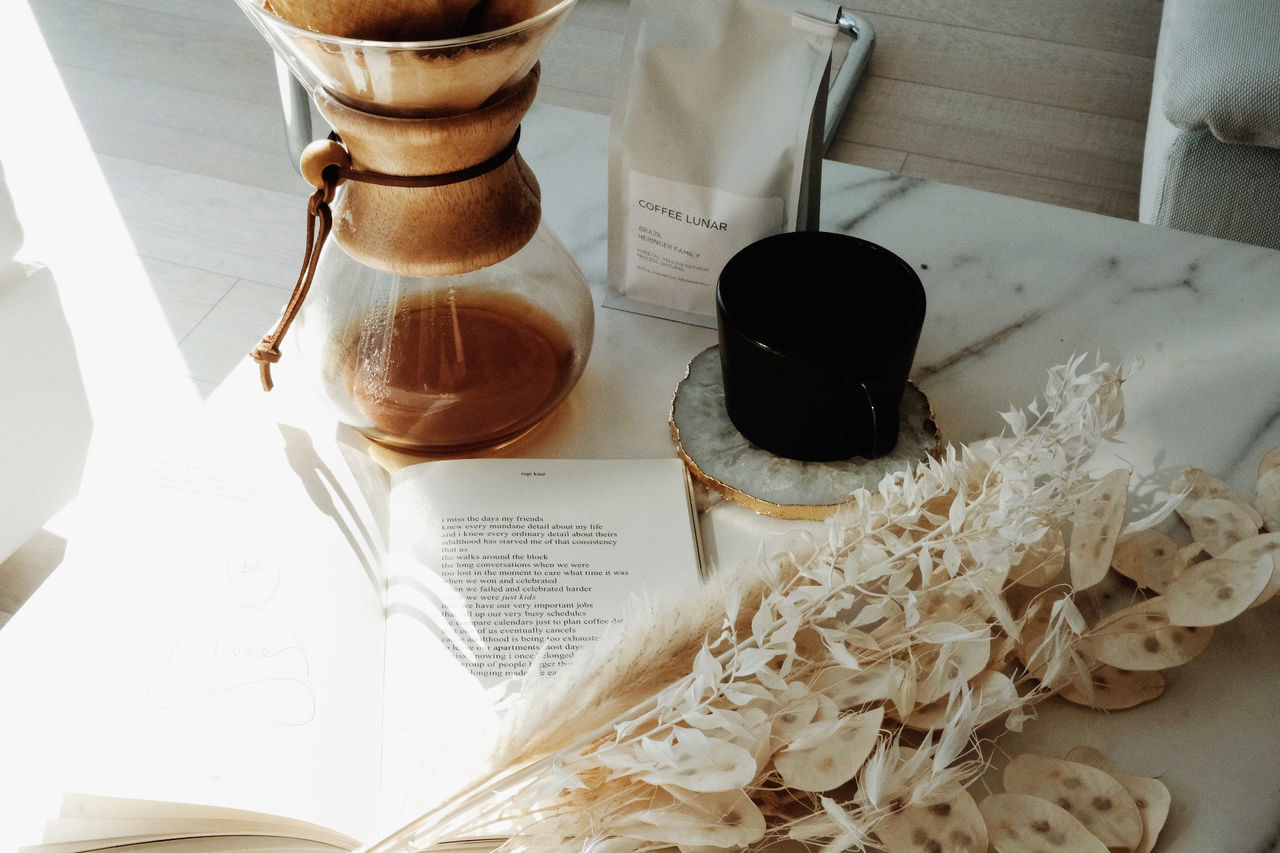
325	164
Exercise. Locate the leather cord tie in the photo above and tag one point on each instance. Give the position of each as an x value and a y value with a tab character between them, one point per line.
326	164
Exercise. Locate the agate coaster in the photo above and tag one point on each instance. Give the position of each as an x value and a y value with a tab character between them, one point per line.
723	460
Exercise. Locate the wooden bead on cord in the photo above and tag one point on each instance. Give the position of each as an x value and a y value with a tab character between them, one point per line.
319	156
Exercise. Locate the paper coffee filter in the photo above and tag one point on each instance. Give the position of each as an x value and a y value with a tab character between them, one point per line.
418	58
381	20
404	20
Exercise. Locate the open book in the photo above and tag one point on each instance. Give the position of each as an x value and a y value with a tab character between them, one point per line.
265	621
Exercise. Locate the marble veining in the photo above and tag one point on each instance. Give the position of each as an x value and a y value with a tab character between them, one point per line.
898	188
925	372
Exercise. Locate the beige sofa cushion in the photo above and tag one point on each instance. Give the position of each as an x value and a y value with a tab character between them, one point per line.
1212	158
1222	63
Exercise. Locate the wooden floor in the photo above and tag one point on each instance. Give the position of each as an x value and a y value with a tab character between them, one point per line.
1040	99
177	104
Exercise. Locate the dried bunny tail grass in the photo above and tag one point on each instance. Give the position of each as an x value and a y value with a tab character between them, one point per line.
654	646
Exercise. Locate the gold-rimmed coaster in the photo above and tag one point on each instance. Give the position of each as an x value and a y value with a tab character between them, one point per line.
726	462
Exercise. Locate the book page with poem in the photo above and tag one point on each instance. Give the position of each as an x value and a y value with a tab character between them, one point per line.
494	563
214	636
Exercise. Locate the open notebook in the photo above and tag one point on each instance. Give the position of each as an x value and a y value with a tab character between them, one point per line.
260	619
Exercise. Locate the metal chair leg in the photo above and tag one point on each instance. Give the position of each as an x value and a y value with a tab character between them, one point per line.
295	103
856	32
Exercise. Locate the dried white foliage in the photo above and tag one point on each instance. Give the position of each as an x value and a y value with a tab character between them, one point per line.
1143	637
1264	546
1096	527
1216	590
1199	484
1150	795
1268	489
1024	823
1083	802
1219	523
1092	796
850	691
1149	558
955	826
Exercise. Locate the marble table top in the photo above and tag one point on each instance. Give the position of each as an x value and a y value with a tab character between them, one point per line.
1014	288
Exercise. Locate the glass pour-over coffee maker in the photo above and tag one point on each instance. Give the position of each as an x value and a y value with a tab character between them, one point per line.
436	309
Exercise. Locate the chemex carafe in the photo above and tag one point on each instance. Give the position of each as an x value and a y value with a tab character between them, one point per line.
437	310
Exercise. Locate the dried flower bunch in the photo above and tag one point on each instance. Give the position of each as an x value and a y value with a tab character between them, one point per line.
847	695
1081	803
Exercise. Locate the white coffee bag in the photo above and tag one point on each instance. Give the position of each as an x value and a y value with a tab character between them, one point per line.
715	141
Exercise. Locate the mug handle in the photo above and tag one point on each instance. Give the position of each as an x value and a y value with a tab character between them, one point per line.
875	422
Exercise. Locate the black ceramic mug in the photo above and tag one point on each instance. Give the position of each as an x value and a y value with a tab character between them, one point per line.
817	335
